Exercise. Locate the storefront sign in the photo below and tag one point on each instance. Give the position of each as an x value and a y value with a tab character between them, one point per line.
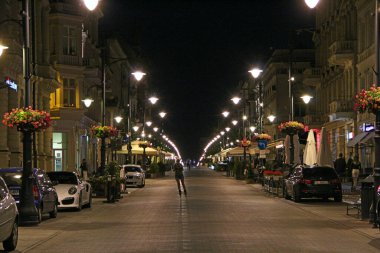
11	84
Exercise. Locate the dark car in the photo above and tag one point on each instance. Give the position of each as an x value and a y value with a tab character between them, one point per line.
45	196
317	181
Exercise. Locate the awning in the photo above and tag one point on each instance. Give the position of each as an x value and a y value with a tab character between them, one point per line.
357	139
137	150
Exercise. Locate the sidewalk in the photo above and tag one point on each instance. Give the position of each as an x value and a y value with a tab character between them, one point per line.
336	212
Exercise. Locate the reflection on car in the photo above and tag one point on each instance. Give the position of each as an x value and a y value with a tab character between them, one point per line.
73	192
8	218
134	175
45	196
315	181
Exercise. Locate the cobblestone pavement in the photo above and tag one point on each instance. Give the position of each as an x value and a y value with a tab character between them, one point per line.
219	214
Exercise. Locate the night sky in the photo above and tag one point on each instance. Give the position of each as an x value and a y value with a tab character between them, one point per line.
198	51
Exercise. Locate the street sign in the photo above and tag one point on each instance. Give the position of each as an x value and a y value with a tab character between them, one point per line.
262	144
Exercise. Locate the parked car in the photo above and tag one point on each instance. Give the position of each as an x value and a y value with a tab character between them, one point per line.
45	195
134	175
8	218
73	192
315	181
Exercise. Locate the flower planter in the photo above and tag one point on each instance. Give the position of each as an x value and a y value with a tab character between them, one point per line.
26	119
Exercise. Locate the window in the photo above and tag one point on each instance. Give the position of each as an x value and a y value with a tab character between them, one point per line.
69	43
69	89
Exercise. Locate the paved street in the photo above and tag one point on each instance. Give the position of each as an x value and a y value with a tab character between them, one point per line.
219	214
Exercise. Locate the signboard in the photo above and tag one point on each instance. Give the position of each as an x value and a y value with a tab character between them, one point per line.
10	83
262	154
262	144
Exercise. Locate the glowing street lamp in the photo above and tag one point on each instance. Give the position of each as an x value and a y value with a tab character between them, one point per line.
311	3
155	129
162	114
235	100
271	118
2	48
148	123
138	75
306	98
234	122
91	4
153	100
225	114
135	128
228	129
118	119
252	128
255	72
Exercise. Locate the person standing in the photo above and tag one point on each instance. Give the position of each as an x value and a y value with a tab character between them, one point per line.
188	165
340	165
349	165
84	169
356	167
179	177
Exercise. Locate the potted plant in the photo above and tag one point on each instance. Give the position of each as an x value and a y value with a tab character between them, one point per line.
367	100
291	127
104	131
27	119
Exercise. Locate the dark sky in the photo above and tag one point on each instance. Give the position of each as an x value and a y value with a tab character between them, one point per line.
198	51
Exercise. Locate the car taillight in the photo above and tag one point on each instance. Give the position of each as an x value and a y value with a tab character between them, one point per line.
36	195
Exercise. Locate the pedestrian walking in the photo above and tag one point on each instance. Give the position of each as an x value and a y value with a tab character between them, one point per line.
356	167
340	165
84	169
349	165
179	177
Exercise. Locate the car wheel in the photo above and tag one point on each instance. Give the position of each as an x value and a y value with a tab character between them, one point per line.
296	195
89	204
338	198
80	203
53	214
11	243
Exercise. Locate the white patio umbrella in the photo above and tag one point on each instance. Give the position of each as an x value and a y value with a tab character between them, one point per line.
287	149
324	155
310	153
296	142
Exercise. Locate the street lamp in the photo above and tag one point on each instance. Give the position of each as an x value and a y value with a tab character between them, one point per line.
118	119
2	48
306	98
225	114
256	72
235	100
271	118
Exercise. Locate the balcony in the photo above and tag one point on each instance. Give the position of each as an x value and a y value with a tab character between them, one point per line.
341	52
312	77
340	109
314	121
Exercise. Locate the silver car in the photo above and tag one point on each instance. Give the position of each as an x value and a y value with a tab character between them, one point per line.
134	175
8	218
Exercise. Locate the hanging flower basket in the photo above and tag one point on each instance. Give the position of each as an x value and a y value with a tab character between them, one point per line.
262	137
245	143
367	100
291	127
26	119
104	131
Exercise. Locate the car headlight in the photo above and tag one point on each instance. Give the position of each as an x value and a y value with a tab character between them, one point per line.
72	190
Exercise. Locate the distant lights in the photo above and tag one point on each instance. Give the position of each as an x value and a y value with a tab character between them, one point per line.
236	100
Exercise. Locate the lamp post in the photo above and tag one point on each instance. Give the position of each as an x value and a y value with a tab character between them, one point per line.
138	76
256	72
